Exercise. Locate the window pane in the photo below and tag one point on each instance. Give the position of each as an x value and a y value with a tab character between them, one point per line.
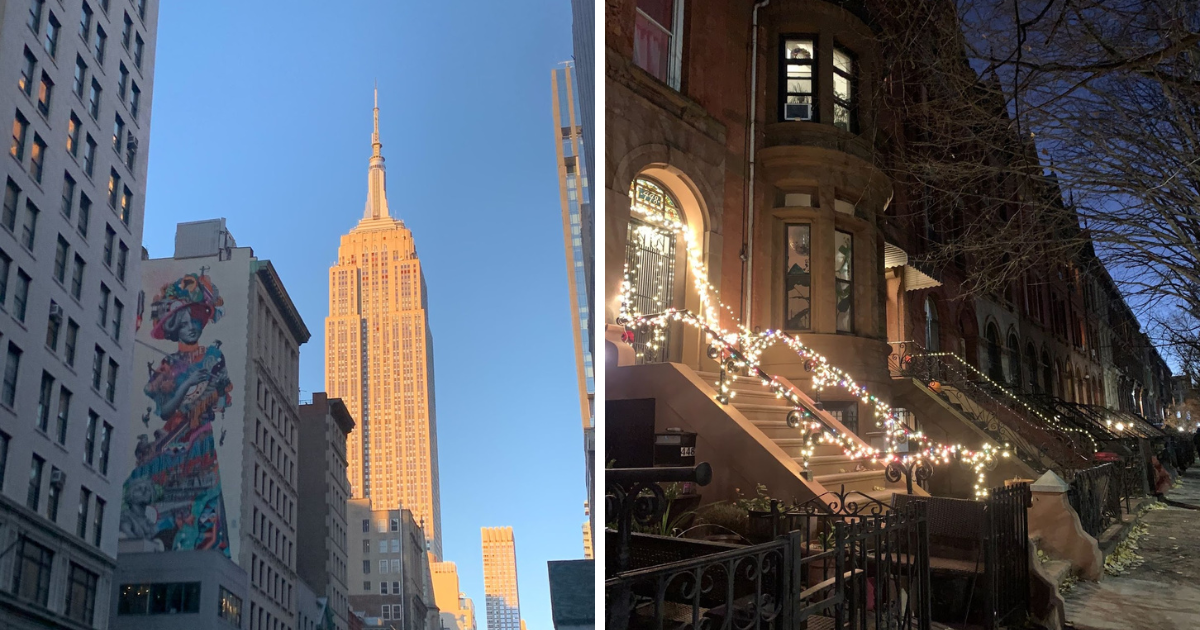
651	47
841	87
798	49
843	265
842	61
797	284
661	11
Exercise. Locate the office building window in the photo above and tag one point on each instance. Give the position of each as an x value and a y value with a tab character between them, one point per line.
126	204
31	571
105	441
230	607
61	251
159	599
21	297
37	158
89	437
64	415
35	15
68	194
138	47
45	90
12	366
122	260
77	277
135	101
85	214
98	522
33	495
81	594
110	390
94	99
81	519
99	43
118	133
97	368
114	188
122	82
110	238
9	215
52	29
80	76
126	31
89	156
105	293
118	315
72	338
85	22
19	131
3	457
28	67
53	327
45	392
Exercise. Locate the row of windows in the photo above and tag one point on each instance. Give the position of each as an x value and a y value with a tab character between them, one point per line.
33	568
265	578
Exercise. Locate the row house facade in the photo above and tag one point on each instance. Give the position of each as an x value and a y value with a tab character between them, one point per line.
749	185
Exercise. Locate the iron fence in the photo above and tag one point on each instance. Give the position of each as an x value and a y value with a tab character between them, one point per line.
843	563
1096	496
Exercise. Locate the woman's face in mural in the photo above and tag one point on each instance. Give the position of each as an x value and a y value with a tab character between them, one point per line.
183	327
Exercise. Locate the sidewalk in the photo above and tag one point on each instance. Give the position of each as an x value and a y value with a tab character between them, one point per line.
1163	593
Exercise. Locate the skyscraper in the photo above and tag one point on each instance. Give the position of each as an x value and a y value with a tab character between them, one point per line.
379	360
576	201
78	79
500	579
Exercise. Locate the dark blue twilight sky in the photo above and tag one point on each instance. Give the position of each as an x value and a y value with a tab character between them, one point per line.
262	114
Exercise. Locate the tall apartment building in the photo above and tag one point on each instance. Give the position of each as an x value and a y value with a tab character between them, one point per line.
390	567
77	79
575	198
500	579
379	360
321	534
456	609
214	464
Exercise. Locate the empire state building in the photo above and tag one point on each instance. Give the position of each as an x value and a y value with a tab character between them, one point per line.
379	360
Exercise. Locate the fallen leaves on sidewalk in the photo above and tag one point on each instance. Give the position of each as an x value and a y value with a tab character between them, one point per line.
1125	555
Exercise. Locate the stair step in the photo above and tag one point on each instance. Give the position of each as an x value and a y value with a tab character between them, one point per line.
836	479
1058	570
822	465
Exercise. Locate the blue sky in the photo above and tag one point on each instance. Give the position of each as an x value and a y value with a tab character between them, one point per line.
262	115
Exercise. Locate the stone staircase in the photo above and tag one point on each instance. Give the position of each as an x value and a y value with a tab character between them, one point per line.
829	466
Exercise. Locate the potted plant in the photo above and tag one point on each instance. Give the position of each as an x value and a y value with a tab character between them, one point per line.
760	527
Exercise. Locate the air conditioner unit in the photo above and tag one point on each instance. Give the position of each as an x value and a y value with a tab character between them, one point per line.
56	312
58	478
797	111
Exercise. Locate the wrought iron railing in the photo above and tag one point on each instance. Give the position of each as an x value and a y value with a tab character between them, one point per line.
851	570
992	408
993	536
732	361
1096	496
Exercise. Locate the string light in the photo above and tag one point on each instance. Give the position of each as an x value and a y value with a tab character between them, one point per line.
723	349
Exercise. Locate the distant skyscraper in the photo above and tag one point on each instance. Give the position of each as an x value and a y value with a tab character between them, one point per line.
379	360
576	201
583	31
500	579
74	188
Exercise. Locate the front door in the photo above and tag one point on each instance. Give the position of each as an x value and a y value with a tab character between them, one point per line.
650	261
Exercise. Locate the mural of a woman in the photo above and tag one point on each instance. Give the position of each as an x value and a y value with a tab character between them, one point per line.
173	497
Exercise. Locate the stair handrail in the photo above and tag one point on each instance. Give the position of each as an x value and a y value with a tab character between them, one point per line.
737	359
1065	457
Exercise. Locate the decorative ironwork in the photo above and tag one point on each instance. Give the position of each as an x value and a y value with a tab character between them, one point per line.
634	494
917	469
868	572
650	273
1096	496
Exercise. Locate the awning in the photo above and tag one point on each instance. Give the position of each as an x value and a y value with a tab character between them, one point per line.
914	278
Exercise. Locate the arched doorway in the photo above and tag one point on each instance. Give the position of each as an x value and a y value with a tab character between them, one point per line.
650	262
933	331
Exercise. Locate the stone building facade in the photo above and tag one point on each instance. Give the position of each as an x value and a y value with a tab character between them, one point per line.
79	80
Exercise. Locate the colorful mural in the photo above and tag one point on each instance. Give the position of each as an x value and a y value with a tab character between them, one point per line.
173	496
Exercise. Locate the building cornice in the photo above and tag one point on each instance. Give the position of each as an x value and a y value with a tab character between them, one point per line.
279	295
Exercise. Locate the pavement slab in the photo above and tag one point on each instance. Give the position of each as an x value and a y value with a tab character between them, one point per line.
1162	593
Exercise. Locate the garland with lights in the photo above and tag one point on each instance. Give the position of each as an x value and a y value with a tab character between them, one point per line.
723	349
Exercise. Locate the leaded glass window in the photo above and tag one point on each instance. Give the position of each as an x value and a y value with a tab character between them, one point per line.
843	265
654	204
797	282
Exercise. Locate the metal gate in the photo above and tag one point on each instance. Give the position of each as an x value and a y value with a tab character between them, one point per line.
650	259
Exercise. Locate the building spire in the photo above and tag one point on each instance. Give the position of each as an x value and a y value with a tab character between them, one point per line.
377	207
